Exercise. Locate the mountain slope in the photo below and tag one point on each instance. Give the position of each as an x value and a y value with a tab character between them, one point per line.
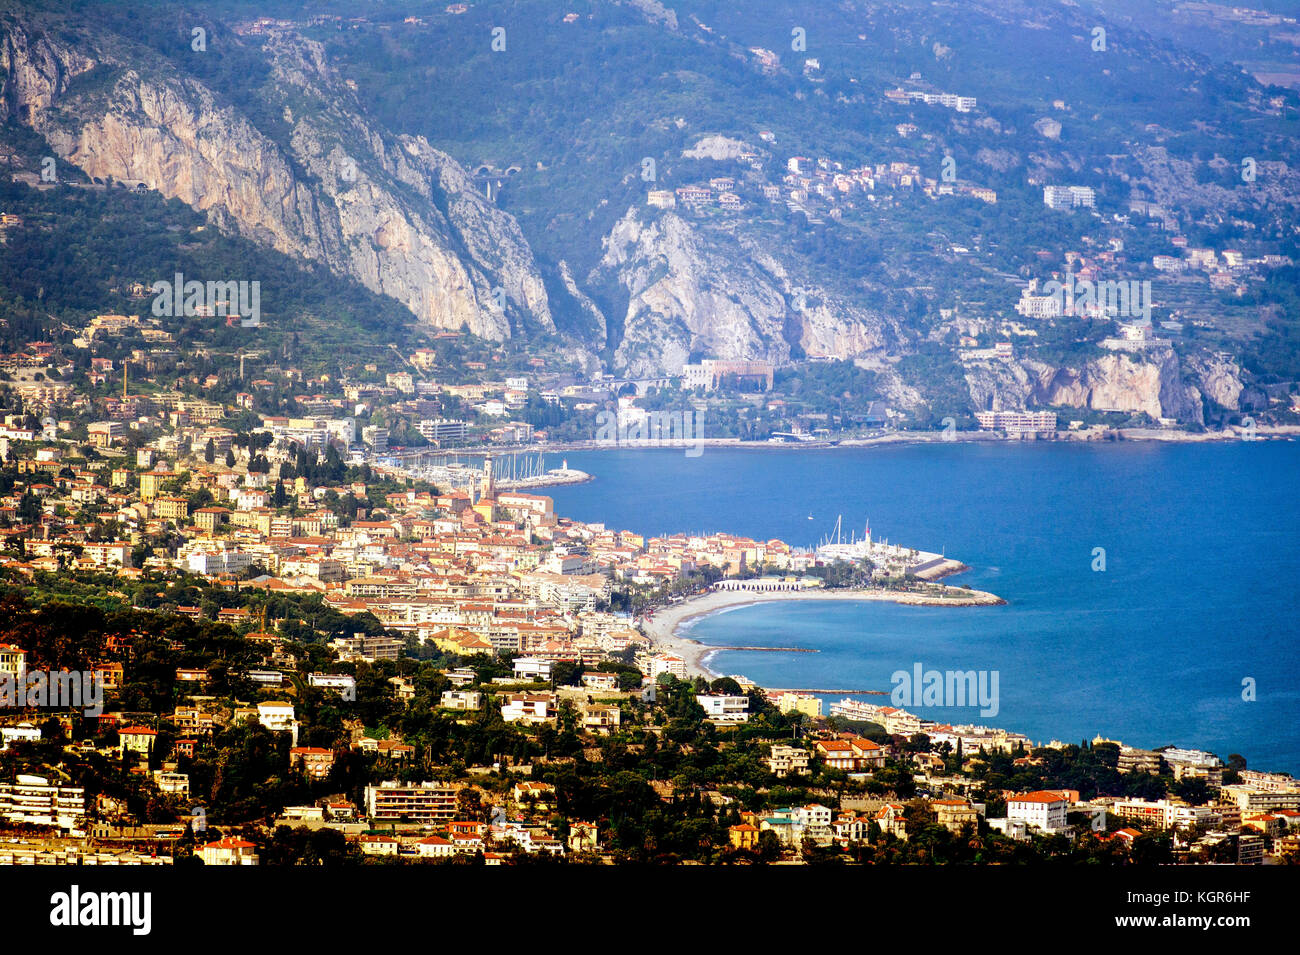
393	212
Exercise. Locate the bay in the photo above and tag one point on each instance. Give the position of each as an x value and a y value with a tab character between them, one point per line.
1197	594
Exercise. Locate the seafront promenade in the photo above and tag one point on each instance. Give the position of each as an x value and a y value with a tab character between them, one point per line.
662	627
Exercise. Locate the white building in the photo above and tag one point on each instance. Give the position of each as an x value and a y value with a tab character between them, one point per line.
22	733
1017	422
1033	305
1069	197
1164	814
786	760
210	562
276	717
724	708
442	430
532	708
532	668
345	683
1044	809
33	800
13	660
462	699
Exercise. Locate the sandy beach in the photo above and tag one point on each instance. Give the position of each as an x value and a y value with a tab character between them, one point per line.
663	627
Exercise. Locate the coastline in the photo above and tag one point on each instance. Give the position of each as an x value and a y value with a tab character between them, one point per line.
663	627
1112	436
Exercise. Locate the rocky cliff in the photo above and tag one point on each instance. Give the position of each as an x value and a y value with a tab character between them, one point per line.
723	296
1154	381
393	212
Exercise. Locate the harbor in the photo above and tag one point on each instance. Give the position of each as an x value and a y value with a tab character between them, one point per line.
455	472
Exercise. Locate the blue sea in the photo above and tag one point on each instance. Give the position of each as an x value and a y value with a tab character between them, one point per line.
1197	594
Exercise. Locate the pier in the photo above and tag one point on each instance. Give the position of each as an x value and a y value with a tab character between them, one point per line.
767	649
775	689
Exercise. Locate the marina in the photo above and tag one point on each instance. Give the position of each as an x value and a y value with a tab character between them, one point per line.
454	472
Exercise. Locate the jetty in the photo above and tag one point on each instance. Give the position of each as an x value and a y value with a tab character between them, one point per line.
776	689
767	649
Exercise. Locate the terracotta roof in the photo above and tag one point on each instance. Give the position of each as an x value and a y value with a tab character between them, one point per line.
231	842
1042	795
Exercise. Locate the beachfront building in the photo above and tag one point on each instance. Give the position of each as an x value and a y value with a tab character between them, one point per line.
1016	422
770	585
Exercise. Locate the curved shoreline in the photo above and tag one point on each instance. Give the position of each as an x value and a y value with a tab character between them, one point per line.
663	629
1279	432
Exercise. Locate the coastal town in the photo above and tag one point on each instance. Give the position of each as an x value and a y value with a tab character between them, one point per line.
412	673
353	369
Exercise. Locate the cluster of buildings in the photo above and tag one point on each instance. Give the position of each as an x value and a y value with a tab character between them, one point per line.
820	180
1223	270
829	181
953	101
711	372
1238	817
900	722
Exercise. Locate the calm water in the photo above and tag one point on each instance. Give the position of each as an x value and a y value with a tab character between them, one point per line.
1198	591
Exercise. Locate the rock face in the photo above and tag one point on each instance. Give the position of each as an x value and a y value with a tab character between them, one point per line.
1221	381
395	213
999	385
1155	382
716	147
1048	128
1150	383
683	296
691	293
